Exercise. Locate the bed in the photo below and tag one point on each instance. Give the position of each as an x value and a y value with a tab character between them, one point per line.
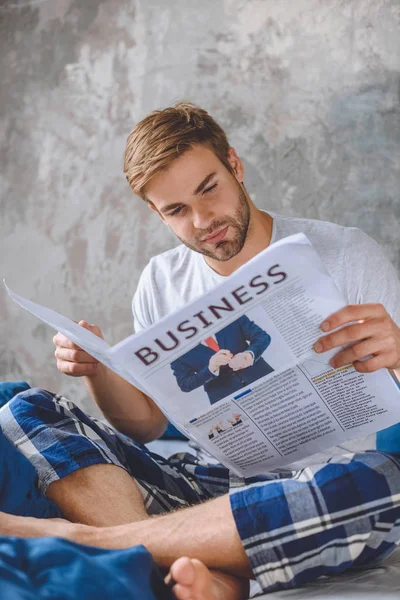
379	583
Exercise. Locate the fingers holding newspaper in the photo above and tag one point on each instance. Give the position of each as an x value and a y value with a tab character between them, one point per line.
372	333
71	359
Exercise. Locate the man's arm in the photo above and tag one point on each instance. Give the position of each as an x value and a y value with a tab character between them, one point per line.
371	320
128	409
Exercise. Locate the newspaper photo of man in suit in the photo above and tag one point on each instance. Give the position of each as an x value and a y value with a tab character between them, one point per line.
226	362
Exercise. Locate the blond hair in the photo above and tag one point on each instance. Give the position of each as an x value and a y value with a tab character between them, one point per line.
164	135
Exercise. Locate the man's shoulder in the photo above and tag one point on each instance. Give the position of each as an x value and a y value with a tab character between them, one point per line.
166	271
321	232
173	256
156	292
313	225
168	263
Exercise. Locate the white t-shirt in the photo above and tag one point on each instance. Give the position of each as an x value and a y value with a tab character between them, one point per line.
357	264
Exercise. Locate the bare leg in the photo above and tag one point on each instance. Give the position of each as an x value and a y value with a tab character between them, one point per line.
99	495
206	531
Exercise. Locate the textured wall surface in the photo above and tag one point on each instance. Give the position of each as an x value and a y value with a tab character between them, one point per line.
308	91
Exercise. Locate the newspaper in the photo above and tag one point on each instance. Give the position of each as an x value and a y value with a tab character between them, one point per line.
235	370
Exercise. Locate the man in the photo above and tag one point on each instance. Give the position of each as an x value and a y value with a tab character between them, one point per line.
281	530
225	363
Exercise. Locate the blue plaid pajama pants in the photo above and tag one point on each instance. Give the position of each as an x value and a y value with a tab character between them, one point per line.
294	526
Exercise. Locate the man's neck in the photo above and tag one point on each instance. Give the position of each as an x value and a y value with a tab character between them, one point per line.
258	238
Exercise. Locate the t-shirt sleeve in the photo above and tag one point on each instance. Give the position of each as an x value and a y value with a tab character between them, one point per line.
370	275
141	308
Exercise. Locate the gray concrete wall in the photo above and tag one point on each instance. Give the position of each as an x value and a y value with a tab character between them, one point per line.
308	91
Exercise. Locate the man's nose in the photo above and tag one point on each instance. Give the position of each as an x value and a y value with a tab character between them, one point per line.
202	219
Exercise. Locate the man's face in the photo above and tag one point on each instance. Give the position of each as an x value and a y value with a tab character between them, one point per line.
203	203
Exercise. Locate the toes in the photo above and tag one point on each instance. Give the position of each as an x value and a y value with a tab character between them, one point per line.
183	571
192	580
182	592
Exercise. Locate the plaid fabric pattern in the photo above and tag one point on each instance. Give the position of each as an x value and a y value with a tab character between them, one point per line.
294	526
323	520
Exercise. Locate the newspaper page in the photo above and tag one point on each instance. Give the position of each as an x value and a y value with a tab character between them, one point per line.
235	369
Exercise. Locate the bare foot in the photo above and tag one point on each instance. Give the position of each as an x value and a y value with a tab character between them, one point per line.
192	580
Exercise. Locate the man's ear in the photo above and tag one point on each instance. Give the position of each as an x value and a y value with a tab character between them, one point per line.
236	164
153	207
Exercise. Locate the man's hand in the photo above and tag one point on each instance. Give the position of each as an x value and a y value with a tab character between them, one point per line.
71	359
372	333
220	358
242	360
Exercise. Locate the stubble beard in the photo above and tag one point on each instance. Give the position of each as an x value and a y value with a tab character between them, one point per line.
239	223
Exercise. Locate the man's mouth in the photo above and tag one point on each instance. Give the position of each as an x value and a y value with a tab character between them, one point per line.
214	238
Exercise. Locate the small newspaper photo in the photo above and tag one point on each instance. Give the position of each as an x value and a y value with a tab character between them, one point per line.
235	370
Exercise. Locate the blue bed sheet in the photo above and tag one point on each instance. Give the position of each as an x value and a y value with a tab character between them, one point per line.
51	568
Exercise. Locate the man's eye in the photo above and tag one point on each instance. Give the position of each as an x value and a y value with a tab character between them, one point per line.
209	189
176	211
